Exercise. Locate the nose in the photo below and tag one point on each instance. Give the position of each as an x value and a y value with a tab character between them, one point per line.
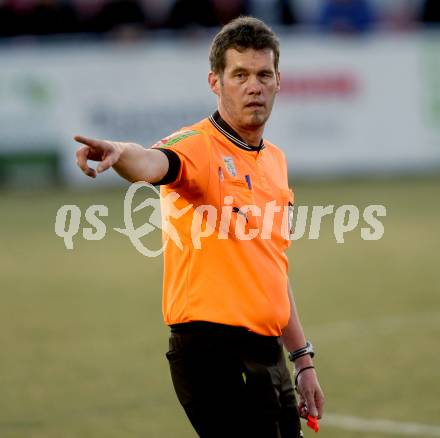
254	85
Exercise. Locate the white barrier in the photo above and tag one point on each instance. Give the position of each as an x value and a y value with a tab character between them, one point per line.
346	105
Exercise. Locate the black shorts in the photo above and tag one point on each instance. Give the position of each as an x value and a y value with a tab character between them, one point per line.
232	383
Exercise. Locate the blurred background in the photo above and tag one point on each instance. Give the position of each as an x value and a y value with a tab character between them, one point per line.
82	340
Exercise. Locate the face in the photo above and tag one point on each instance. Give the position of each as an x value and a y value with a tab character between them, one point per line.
247	87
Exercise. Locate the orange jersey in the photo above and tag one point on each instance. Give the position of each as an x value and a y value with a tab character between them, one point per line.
224	260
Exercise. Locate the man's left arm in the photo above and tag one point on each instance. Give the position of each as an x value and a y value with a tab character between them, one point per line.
310	393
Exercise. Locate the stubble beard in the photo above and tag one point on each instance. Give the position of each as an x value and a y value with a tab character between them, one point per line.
258	120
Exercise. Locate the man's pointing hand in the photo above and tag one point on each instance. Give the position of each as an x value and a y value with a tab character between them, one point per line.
107	152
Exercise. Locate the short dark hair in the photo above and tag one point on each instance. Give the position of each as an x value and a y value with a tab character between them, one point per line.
240	34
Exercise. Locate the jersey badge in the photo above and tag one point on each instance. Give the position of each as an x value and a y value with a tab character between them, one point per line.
230	165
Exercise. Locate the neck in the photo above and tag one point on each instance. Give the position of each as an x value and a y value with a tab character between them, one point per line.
252	136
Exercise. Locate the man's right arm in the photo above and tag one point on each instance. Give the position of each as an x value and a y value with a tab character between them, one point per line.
130	160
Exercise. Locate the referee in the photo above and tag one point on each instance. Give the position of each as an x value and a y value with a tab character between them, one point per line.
226	294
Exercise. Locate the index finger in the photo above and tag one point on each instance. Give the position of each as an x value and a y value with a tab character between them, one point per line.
311	406
91	142
319	402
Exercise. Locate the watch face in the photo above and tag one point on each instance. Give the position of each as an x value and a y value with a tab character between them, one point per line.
308	349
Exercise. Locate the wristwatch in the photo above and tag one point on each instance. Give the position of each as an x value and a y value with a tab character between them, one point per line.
308	349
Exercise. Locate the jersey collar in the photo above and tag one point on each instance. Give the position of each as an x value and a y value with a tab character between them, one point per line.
227	131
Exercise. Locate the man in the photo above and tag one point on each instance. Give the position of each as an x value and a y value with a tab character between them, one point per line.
227	296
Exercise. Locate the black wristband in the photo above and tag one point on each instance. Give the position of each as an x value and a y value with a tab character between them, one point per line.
300	371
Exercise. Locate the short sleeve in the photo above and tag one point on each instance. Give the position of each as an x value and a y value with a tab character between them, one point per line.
284	167
173	167
188	155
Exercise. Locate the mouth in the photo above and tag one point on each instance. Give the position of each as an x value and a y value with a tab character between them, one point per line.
254	105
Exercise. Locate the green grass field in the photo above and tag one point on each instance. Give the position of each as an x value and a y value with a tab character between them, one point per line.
82	341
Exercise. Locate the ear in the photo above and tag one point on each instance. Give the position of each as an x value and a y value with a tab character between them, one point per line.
214	82
278	76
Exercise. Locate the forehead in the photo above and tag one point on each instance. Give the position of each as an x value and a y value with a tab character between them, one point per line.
249	59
